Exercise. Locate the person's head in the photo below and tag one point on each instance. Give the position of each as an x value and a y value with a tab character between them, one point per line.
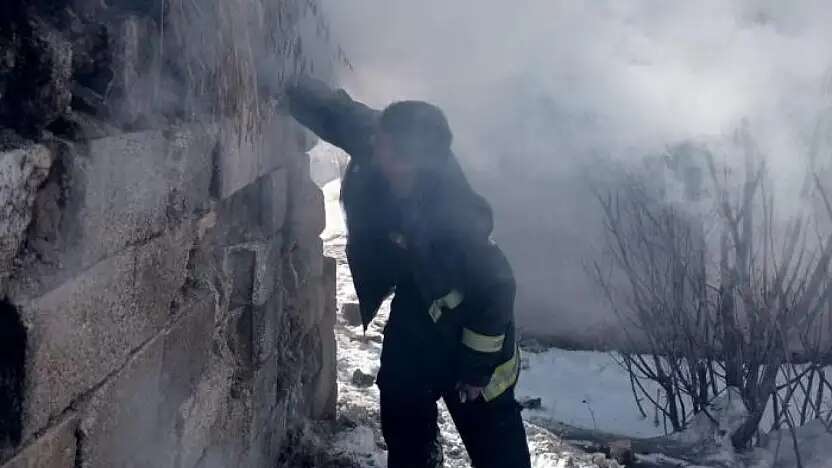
413	138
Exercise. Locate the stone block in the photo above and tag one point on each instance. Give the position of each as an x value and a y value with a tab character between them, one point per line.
22	171
244	158
200	414
54	449
306	217
236	164
123	190
121	425
240	339
253	269
329	279
363	380
186	355
304	260
312	251
161	270
266	324
231	431
240	266
351	313
85	329
187	351
264	397
275	200
256	212
240	216
324	396
280	143
310	305
267	272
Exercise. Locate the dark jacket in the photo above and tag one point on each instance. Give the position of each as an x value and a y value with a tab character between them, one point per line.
435	249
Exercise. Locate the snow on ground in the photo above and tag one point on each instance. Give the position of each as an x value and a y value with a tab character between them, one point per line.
584	389
335	226
326	162
358	406
814	442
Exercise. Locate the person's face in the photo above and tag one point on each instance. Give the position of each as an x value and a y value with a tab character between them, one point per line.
398	171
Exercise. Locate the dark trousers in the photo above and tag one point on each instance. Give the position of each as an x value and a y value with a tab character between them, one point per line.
413	376
492	432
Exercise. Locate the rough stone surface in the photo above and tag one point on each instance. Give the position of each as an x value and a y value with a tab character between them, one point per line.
168	274
21	173
275	200
127	405
86	328
244	158
187	353
266	321
325	396
362	379
115	192
54	449
134	184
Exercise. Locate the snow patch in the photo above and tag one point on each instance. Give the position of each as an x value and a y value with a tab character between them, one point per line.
326	163
335	225
724	417
360	445
814	447
585	389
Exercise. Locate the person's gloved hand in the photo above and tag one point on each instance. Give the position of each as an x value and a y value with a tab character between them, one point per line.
469	393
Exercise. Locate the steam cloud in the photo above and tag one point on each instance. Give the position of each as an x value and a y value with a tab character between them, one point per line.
539	91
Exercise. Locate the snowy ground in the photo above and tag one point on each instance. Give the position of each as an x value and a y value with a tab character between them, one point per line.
358	405
587	390
584	389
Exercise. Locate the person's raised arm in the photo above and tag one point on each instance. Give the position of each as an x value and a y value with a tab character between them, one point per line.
333	115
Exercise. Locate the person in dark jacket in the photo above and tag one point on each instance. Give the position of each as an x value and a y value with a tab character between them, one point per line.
416	228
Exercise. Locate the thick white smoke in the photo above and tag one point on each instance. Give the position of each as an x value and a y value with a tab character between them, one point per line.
538	90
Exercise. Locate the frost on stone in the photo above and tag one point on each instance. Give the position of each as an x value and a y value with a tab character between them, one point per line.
22	171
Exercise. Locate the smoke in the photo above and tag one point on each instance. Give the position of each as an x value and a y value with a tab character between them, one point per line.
540	92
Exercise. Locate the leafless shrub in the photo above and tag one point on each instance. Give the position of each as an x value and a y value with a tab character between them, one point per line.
722	295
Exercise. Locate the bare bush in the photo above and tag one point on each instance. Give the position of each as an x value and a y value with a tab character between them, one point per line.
723	296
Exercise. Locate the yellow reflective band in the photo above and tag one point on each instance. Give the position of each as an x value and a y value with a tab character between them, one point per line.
503	377
452	300
482	343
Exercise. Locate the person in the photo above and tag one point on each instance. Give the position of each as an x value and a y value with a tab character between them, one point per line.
416	228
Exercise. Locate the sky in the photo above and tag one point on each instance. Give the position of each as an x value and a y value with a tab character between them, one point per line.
542	93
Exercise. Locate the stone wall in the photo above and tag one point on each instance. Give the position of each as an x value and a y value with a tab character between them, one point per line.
164	299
